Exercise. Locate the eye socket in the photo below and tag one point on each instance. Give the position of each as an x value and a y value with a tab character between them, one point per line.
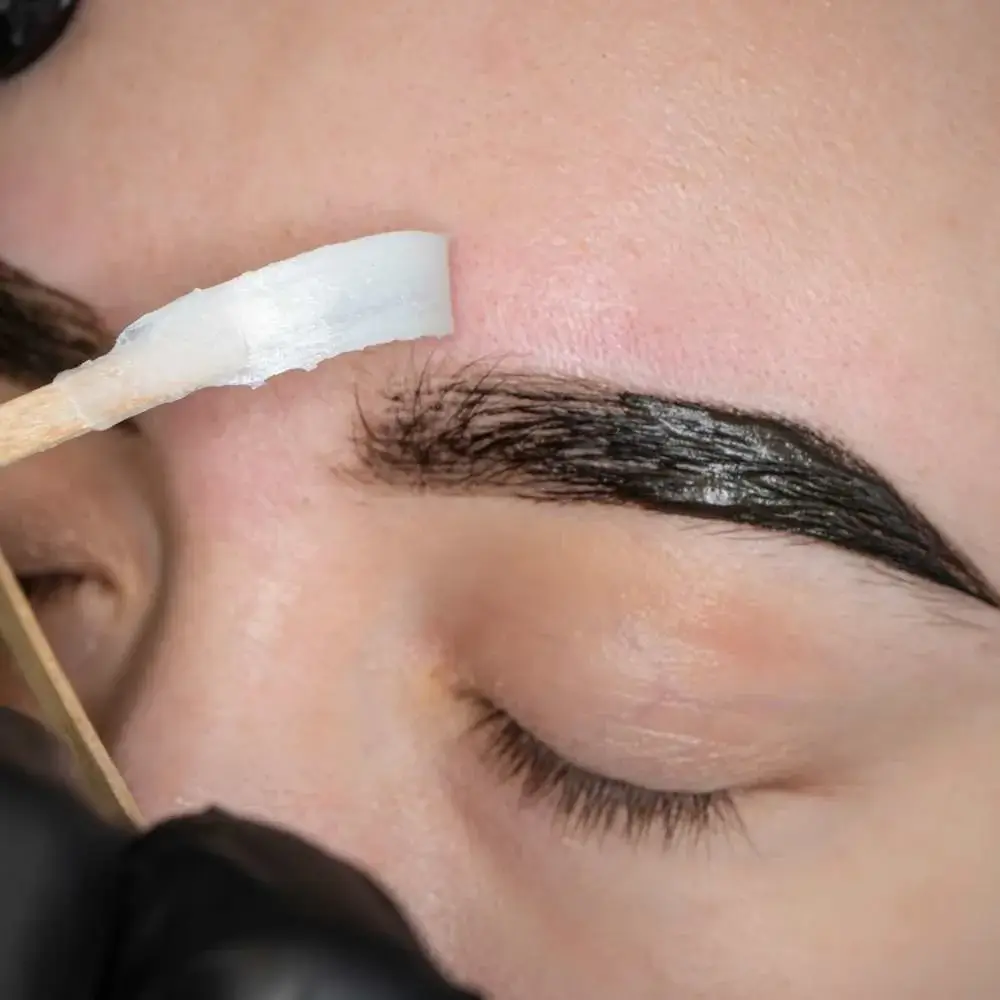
81	616
29	29
44	591
81	530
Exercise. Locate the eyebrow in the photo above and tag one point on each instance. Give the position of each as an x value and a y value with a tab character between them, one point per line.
561	440
42	331
571	440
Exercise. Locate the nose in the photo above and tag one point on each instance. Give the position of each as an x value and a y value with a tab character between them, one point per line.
289	675
288	678
295	673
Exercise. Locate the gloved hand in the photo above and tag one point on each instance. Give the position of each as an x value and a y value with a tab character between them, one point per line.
208	907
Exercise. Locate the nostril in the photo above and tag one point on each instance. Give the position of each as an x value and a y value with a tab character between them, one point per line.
28	29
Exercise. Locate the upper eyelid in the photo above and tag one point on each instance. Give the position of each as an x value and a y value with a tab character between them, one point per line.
590	801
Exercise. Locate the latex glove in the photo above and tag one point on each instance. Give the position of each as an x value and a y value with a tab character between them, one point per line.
208	907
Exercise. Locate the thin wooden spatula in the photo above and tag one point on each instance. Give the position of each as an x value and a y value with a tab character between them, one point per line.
58	704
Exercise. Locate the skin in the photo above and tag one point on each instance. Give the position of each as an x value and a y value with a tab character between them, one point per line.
792	208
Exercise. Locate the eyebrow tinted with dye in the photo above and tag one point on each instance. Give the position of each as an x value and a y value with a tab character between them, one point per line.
571	440
566	440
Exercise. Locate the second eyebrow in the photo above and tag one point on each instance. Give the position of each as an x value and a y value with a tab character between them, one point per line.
563	439
42	331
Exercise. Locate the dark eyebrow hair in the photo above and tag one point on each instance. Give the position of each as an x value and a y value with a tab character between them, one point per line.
562	439
43	331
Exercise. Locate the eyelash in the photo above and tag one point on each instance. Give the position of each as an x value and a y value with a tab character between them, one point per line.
42	588
590	803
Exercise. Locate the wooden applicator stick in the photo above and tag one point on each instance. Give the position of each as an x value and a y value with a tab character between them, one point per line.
38	421
58	704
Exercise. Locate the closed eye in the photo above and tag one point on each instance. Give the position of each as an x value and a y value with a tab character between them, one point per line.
589	803
42	588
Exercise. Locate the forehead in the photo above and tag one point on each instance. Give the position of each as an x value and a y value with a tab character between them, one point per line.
789	207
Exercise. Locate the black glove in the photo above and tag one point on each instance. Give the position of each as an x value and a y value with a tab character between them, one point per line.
207	907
